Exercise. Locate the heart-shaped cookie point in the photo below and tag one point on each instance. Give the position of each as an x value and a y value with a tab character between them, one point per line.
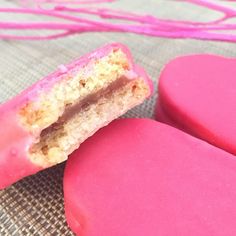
198	95
139	177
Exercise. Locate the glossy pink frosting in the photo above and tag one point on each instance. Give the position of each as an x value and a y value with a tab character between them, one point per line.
14	144
139	177
198	95
15	140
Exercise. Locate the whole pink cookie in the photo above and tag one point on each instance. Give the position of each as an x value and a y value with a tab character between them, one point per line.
198	95
139	177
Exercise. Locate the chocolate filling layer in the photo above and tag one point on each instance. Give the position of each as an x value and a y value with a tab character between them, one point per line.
48	137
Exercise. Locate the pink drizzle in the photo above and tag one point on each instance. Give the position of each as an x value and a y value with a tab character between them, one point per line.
77	20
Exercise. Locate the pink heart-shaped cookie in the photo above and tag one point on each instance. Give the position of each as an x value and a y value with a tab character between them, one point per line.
139	177
198	95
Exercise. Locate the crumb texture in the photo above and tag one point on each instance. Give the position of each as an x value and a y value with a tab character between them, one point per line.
94	76
61	139
77	107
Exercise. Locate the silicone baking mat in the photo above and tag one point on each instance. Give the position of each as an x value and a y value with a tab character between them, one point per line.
34	206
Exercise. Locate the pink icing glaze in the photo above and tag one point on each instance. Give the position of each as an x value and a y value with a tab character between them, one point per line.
14	144
133	22
139	177
198	95
46	83
26	3
15	140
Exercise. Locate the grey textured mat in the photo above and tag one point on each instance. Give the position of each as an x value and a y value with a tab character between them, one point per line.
34	206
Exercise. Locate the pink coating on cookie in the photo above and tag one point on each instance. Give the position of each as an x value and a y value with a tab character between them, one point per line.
46	83
140	177
14	144
142	73
15	137
62	68
198	95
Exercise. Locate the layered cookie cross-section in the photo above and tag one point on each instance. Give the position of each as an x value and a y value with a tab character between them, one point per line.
48	121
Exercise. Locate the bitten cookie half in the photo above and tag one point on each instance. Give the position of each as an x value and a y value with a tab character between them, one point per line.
47	122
